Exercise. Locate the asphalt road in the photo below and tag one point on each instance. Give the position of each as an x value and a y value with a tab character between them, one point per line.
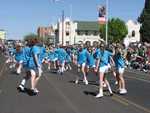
59	94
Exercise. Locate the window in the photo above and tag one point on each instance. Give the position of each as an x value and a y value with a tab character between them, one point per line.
67	33
133	33
95	33
78	32
86	33
67	42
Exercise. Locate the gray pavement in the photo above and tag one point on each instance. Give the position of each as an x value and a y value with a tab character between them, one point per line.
59	94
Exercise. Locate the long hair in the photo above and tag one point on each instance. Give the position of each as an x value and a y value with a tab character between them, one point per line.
34	41
18	48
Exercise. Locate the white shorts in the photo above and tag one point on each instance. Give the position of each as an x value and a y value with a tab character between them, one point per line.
37	72
82	65
103	69
121	70
93	66
55	59
20	62
109	66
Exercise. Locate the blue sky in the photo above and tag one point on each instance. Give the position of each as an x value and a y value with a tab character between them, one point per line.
20	17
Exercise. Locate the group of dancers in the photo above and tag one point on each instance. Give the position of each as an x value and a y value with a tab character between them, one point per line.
32	56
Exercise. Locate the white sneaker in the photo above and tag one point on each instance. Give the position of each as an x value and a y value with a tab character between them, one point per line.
123	91
99	95
77	81
116	83
18	71
104	84
36	90
66	69
70	68
49	68
21	88
10	66
78	70
86	82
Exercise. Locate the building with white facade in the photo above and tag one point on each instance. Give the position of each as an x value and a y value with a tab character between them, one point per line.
133	32
2	34
73	32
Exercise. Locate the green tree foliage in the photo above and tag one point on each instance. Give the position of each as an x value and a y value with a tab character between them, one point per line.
30	36
117	30
144	19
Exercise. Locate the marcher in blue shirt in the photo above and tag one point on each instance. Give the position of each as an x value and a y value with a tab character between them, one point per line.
26	53
19	57
82	56
68	62
90	58
120	67
82	63
11	54
33	67
43	54
61	59
52	57
103	66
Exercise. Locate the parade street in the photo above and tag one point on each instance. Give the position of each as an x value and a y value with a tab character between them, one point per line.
59	94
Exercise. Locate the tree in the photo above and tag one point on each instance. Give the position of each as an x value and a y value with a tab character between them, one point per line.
144	19
30	36
117	30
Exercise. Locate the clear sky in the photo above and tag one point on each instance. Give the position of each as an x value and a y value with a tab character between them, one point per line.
20	17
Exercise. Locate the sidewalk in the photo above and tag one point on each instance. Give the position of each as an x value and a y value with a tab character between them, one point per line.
137	72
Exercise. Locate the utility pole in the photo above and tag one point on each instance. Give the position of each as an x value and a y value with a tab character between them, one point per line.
106	40
62	27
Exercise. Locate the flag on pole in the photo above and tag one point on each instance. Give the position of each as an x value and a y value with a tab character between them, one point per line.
101	14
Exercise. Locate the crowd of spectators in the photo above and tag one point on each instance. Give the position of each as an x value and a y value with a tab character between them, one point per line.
138	56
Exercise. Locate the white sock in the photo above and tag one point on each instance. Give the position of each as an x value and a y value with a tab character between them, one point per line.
23	82
62	69
109	88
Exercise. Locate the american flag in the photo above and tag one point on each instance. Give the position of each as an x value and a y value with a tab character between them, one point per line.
101	15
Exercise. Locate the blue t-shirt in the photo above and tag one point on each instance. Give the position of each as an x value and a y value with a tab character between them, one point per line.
82	56
69	52
97	53
119	61
51	55
19	55
61	54
104	58
43	53
11	51
90	59
35	50
68	58
26	55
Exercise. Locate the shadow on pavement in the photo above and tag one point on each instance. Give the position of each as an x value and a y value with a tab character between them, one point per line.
90	93
27	91
89	82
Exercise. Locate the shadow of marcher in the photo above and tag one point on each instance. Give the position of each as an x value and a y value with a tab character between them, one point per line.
90	93
28	91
